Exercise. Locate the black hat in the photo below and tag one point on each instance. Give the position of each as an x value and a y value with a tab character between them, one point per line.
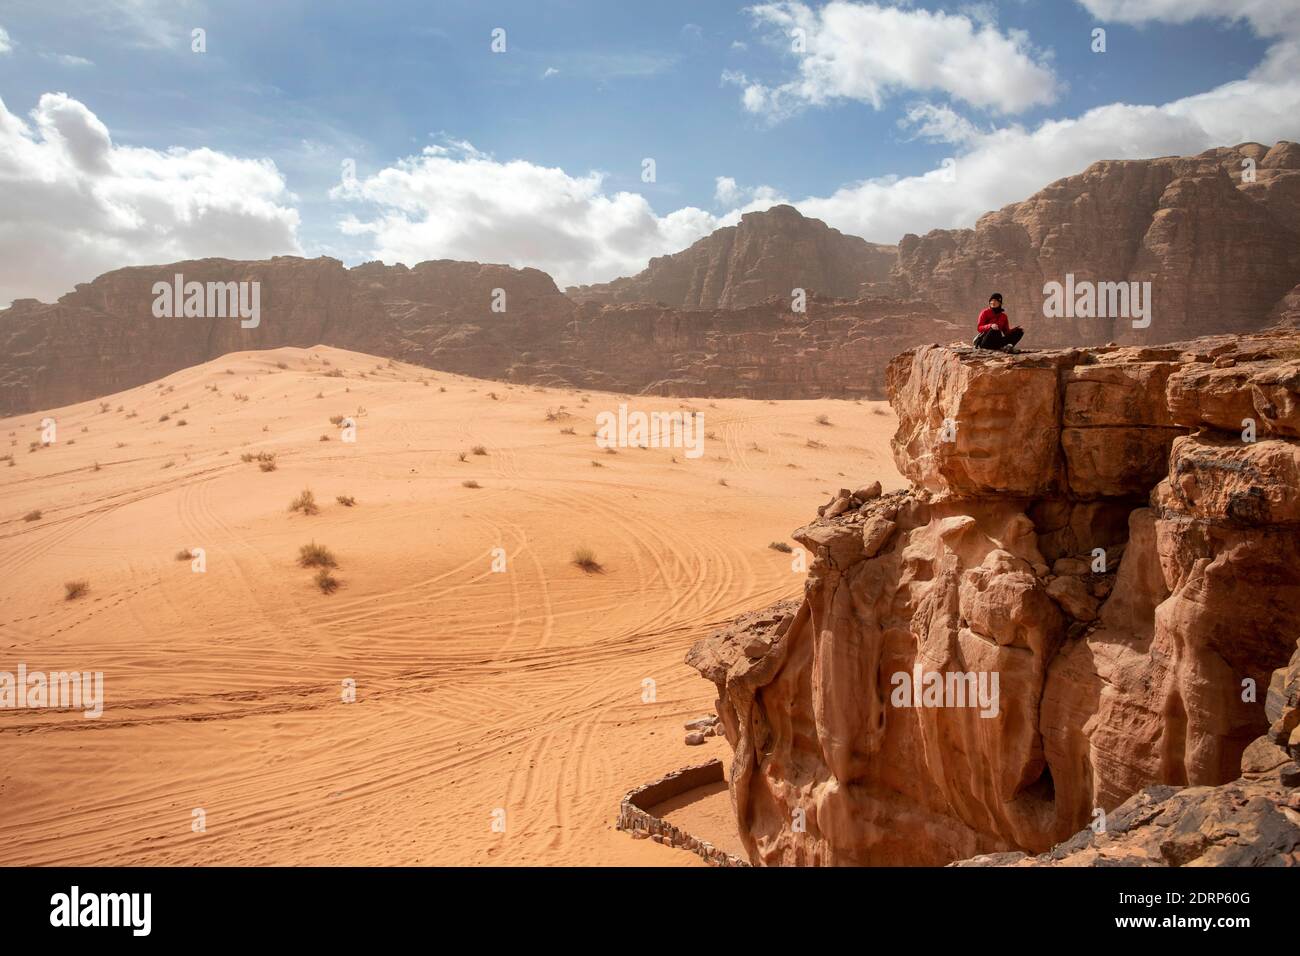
996	295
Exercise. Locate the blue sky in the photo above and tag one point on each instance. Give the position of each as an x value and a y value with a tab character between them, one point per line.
561	121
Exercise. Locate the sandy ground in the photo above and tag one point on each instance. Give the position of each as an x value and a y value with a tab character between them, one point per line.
498	716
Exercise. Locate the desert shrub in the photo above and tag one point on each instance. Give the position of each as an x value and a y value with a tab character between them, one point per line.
780	546
316	556
185	555
479	450
305	503
32	516
347	501
75	589
470	483
823	420
585	558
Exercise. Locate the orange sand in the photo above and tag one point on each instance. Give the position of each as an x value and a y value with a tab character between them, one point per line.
475	691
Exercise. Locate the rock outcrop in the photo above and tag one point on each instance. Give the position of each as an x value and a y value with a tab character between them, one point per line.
1085	593
1252	821
1217	235
766	256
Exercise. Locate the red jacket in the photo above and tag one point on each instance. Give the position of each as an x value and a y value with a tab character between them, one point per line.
990	319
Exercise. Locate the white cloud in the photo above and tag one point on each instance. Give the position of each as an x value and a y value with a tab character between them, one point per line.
67	59
550	72
76	204
868	52
939	124
6	44
1009	164
1268	17
453	201
725	191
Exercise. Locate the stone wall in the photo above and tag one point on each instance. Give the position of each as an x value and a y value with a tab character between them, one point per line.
635	817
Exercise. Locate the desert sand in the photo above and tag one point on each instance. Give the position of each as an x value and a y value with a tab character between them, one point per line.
476	691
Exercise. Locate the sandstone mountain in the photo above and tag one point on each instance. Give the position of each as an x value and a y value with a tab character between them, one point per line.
1218	240
103	337
1113	534
766	256
1220	247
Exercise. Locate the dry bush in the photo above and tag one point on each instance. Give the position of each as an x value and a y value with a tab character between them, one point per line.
585	558
75	589
305	503
316	556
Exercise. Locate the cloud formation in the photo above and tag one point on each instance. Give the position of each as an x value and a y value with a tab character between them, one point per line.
870	52
76	204
996	167
453	201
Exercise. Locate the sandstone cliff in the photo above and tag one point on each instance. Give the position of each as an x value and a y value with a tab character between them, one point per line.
103	337
766	256
1219	243
1093	534
1222	255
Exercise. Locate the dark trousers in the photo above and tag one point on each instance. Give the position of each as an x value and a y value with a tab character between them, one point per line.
995	338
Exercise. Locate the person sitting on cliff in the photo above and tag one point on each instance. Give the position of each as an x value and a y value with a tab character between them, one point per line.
995	331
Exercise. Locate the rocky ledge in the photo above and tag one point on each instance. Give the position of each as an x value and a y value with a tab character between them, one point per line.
1075	612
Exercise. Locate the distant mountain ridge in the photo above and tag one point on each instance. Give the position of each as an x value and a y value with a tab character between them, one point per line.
1217	235
767	255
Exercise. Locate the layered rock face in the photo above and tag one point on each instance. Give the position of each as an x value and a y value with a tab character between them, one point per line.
1252	821
1221	249
1217	235
769	254
103	337
1085	592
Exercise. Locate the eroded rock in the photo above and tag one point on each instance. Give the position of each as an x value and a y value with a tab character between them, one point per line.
1127	600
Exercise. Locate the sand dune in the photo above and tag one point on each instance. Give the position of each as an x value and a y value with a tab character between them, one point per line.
476	691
